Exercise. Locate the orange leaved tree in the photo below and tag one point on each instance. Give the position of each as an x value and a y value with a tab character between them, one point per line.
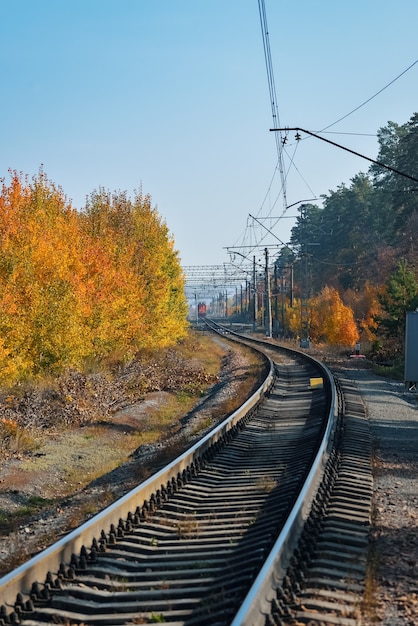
151	309
331	321
40	313
366	308
77	286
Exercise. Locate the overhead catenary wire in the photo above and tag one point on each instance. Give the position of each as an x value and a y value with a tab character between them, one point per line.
272	92
280	140
369	99
322	131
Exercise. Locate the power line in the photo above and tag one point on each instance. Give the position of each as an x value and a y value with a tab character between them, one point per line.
272	90
371	97
336	132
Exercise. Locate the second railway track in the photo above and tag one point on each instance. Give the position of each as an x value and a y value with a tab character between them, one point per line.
187	546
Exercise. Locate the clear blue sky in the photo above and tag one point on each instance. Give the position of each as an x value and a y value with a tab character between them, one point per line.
172	95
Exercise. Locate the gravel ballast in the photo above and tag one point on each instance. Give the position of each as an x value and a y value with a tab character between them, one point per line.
393	415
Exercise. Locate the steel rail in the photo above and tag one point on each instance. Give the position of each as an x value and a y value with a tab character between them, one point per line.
257	604
37	568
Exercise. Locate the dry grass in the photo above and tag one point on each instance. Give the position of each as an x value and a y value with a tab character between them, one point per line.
33	504
266	483
369	601
16	439
68	459
199	346
188	527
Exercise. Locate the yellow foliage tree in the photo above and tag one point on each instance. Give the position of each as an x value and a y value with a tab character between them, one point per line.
80	286
152	313
292	318
41	313
331	321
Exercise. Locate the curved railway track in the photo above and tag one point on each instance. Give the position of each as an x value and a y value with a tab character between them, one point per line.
208	539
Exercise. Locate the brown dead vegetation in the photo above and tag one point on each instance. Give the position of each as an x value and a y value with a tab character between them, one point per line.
115	429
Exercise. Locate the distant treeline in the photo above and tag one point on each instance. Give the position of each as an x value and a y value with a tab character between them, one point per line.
363	242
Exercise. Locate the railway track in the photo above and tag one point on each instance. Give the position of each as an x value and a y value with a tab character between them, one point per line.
210	538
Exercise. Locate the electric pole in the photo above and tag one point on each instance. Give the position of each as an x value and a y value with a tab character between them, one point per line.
268	295
304	297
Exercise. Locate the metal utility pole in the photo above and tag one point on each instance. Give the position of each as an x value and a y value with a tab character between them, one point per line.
304	297
291	287
268	295
255	305
304	303
283	289
276	325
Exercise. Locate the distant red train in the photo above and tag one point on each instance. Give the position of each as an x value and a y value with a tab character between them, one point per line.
201	309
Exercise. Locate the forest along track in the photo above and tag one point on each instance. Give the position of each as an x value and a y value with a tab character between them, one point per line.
188	551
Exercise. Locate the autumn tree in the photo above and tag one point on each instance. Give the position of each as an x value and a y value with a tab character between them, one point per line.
41	315
292	318
81	286
331	321
150	302
366	308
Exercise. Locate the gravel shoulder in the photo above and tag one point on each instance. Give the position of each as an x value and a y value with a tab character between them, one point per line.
393	415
